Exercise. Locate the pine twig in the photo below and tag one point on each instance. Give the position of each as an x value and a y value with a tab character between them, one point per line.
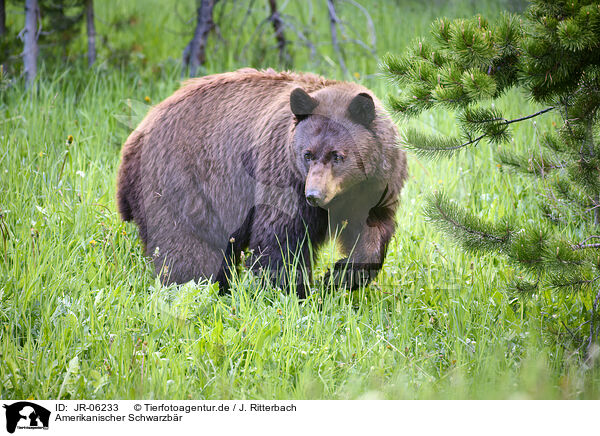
580	247
433	150
516	120
457	224
583	245
465	144
577	282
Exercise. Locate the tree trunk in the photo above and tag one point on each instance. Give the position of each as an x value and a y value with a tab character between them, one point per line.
2	32
2	19
30	46
194	54
333	21
91	31
275	18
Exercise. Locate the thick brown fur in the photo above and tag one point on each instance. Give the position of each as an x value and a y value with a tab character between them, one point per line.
222	165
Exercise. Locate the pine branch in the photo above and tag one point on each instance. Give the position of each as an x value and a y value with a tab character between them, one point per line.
524	287
579	247
472	232
567	193
531	165
573	283
582	245
434	146
516	120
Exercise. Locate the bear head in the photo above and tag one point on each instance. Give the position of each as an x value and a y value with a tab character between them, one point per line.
335	144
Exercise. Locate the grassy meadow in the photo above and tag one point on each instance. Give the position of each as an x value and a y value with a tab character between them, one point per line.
82	316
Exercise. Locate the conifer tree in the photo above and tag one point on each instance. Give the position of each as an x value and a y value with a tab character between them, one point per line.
552	52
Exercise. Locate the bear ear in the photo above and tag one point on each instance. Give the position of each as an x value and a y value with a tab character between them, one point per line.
362	109
302	104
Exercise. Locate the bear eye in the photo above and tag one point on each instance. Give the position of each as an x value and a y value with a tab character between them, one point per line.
337	157
308	155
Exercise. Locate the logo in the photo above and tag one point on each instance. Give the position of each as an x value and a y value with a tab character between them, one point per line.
26	415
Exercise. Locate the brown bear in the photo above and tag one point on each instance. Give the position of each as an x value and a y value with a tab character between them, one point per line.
271	162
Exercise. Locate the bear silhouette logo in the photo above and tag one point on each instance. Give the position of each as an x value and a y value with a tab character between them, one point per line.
24	414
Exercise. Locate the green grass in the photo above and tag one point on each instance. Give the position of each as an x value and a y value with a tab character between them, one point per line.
81	315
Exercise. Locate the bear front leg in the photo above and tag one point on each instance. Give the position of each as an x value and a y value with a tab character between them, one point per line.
367	246
284	244
283	266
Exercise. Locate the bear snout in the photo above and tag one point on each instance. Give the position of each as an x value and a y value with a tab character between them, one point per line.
314	197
